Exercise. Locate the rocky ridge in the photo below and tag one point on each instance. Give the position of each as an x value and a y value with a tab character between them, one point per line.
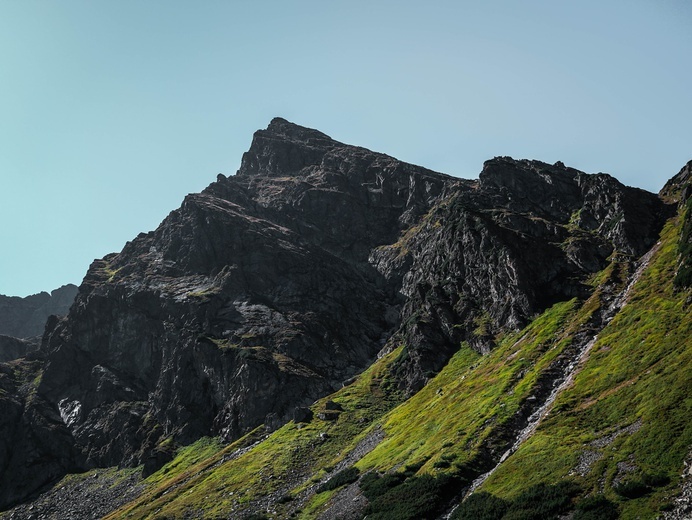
15	348
271	287
26	317
485	260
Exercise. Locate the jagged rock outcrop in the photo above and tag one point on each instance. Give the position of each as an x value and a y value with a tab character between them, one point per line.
26	317
271	287
486	259
679	187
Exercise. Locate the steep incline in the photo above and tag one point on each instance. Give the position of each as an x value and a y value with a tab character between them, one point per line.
270	288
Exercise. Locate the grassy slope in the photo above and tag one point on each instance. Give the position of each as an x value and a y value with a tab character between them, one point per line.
452	414
293	457
639	371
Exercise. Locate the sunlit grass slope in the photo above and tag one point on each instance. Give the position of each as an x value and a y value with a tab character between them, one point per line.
628	411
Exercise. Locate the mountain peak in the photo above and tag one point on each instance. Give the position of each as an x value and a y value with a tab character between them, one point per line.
284	146
286	130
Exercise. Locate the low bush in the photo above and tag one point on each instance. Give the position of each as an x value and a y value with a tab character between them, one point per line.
655	480
543	501
596	507
412	469
347	476
633	488
414	498
481	506
374	486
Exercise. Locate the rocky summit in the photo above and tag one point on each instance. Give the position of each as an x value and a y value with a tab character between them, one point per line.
332	330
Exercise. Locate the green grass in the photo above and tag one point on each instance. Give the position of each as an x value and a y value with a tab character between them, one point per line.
187	457
639	370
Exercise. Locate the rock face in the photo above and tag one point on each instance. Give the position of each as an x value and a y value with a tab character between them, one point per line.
271	287
679	188
35	446
26	317
485	260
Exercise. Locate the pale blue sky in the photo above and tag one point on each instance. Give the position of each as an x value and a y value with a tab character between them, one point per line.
112	111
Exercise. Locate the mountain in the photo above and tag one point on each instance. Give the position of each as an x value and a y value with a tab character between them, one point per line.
332	333
26	317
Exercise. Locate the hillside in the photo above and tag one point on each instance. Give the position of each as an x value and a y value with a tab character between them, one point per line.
332	333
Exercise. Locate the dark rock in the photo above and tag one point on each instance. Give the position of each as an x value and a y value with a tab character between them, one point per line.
328	415
679	188
253	298
158	457
331	405
302	414
487	259
272	422
32	434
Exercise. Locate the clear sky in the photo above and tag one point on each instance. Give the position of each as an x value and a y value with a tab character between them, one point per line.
112	111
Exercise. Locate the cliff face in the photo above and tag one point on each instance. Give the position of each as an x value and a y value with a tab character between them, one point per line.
26	317
270	288
485	260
